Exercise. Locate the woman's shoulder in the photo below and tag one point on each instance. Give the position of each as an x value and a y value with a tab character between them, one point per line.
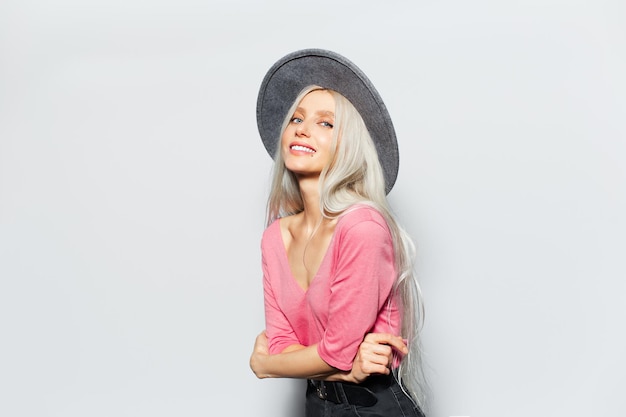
273	232
361	214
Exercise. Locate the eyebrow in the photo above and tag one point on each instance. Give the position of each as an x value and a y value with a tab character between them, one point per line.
319	113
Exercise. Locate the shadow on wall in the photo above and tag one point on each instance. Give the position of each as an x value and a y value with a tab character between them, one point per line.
294	402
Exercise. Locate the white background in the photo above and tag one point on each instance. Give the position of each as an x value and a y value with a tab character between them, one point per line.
133	185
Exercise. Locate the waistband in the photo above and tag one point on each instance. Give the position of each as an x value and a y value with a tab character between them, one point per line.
363	394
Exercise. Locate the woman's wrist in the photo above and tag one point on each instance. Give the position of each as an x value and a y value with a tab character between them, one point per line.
340	376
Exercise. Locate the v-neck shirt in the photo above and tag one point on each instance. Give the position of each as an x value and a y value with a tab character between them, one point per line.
351	294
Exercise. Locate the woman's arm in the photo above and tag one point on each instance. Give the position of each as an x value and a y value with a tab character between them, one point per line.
297	361
375	356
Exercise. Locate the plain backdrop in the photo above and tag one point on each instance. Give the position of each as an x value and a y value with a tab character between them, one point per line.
133	186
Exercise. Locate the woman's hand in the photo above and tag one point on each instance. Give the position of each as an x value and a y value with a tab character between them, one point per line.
261	349
375	356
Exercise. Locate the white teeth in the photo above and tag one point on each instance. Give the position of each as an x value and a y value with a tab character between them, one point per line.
302	148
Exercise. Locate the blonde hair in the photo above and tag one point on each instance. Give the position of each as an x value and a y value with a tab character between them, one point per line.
355	176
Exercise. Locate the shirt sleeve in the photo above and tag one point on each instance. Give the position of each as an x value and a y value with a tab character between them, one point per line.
362	282
279	331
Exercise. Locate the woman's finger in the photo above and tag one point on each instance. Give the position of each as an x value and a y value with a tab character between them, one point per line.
387	339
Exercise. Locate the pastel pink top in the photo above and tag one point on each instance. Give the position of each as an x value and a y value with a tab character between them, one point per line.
350	296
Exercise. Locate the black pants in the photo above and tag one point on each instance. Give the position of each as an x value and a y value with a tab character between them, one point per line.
379	396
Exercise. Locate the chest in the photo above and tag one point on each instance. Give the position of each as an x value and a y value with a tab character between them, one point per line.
306	253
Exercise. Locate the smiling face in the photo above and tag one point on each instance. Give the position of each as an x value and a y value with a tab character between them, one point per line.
307	139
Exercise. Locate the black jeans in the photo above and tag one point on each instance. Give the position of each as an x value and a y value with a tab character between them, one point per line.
380	396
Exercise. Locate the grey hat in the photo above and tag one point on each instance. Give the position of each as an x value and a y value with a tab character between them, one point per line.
297	70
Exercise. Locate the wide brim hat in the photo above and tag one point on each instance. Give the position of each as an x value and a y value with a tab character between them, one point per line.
297	70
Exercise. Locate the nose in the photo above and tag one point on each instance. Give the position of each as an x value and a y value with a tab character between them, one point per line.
302	130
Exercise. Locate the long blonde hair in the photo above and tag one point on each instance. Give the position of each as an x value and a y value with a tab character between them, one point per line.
355	176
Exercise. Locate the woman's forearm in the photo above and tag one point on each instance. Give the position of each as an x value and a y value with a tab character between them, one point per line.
294	362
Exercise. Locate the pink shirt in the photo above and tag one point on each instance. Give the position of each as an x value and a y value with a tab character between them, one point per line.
349	296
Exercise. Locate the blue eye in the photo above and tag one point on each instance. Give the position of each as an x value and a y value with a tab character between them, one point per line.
327	124
296	120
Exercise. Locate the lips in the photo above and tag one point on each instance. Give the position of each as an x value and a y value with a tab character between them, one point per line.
298	147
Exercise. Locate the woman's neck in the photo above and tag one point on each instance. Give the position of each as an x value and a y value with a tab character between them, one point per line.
311	215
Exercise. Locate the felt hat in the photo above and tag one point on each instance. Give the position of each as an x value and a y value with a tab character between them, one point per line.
297	70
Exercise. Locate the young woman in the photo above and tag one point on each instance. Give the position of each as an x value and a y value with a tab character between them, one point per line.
340	293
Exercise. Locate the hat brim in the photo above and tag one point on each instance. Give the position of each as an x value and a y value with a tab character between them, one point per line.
327	69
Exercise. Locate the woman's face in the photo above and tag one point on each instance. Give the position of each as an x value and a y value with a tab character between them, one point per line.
305	144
